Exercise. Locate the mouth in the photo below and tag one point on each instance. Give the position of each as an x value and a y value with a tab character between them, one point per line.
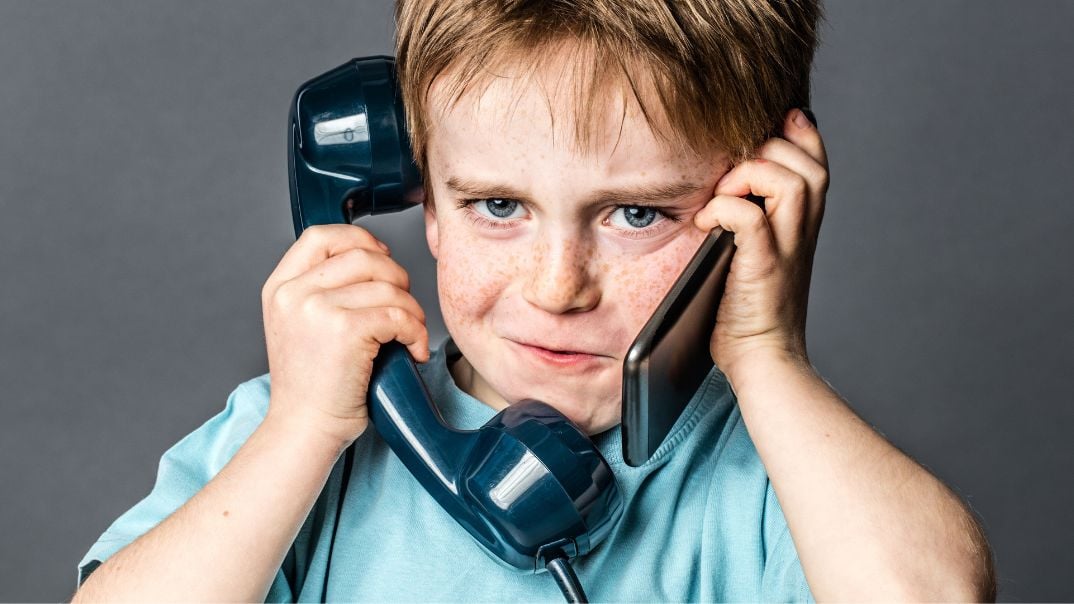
559	358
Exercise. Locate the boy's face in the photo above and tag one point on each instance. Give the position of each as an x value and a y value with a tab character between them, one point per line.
547	279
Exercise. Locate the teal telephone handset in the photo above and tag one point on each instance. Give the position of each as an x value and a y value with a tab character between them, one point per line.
529	486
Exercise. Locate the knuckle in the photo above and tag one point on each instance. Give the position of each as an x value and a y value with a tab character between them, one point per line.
382	290
341	321
267	291
321	234
396	315
285	295
413	308
769	146
358	255
821	179
386	291
755	217
314	234
798	186
419	311
314	304
356	234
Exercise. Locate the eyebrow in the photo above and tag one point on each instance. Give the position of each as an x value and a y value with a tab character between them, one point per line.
640	195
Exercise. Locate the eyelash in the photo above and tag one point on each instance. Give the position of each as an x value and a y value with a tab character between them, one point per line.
475	218
478	219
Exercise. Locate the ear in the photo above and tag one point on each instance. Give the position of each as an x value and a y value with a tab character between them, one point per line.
432	233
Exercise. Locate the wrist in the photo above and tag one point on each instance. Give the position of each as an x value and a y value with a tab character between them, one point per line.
309	430
763	364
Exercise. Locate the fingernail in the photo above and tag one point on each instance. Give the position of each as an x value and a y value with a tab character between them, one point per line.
801	120
383	246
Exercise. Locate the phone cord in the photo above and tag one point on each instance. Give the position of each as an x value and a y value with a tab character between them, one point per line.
560	569
348	462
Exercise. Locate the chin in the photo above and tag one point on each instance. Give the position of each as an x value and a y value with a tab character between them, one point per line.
589	418
593	404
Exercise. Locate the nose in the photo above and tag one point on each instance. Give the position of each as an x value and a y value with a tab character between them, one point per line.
561	277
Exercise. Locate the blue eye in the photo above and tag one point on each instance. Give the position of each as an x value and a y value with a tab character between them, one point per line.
497	208
635	217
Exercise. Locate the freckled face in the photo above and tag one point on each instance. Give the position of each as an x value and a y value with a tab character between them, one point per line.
547	278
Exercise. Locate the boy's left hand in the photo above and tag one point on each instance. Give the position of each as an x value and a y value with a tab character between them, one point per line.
763	311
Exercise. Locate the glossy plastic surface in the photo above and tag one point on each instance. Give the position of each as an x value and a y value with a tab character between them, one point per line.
349	152
528	483
526	480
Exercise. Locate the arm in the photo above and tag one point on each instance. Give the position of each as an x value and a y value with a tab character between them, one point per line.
332	299
227	542
865	518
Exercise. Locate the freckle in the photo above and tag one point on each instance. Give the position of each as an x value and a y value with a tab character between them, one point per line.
226	512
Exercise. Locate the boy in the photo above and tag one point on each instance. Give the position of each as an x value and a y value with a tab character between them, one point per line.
575	155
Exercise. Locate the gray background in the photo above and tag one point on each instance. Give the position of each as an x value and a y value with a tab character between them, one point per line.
144	202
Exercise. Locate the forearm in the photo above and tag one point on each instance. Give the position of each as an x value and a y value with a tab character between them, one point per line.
227	542
866	520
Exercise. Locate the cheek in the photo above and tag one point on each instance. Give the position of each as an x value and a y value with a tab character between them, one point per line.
471	275
640	283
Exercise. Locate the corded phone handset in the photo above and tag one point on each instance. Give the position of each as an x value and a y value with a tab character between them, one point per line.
529	486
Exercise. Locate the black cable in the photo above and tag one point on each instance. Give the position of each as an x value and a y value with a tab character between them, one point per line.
348	461
560	569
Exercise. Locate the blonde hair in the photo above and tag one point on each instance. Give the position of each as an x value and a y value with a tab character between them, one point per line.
723	72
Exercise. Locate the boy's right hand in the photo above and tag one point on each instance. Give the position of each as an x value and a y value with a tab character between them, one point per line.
333	299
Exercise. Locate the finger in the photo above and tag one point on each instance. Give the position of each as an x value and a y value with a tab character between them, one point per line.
793	157
785	194
387	323
799	130
355	266
320	242
753	236
373	294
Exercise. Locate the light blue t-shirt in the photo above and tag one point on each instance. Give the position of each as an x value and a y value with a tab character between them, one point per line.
701	521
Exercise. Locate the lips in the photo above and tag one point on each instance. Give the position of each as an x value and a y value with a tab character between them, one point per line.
559	359
559	348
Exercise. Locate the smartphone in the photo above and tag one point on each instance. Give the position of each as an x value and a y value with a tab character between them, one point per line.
670	358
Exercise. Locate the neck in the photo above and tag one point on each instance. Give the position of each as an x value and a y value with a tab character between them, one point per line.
470	381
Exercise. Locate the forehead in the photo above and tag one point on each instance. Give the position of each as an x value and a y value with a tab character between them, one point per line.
524	118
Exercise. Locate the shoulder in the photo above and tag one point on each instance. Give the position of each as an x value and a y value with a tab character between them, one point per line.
185	468
208	448
253	394
249	401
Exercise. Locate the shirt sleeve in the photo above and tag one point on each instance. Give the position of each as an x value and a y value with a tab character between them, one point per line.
183	470
783	579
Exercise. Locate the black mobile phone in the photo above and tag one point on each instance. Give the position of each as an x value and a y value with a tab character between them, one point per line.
670	358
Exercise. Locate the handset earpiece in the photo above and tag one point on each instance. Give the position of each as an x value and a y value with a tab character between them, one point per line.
528	485
349	153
